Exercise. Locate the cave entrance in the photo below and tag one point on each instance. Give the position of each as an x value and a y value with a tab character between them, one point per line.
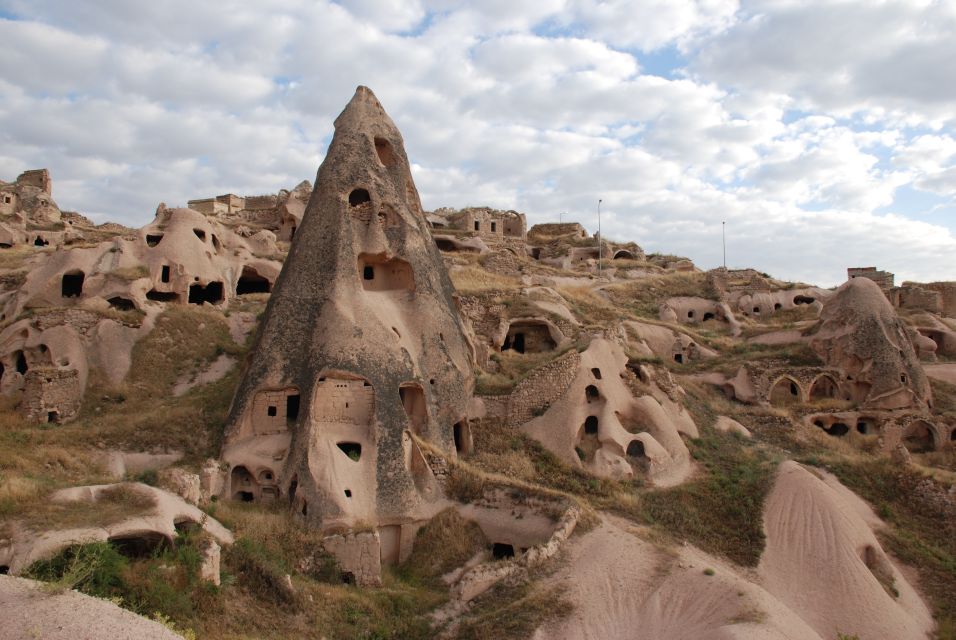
251	282
413	401
72	284
211	293
919	437
243	484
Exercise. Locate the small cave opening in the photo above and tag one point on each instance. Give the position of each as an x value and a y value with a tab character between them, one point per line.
293	487
596	373
690	315
251	282
635	449
200	234
446	245
22	367
462	434
359	196
164	274
477	225
708	316
348	493
380	273
777	306
121	304
292	407
40	242
347	577
144	545
272	411
412	396
244	485
919	437
528	336
591	393
803	300
823	387
502	550
784	391
72	284
4	569
153	239
591	425
52	417
384	151
837	429
679	358
162	296
211	293
352	449
864	427
756	311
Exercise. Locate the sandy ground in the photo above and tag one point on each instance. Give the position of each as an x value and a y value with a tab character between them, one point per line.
26	612
943	372
817	577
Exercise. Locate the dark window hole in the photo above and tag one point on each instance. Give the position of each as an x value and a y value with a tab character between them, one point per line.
359	196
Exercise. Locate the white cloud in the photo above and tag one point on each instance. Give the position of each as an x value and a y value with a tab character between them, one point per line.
796	123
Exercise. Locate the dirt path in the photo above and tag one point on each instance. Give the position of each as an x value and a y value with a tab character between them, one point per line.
29	613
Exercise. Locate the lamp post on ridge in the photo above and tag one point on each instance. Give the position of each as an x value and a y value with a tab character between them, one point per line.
600	252
723	235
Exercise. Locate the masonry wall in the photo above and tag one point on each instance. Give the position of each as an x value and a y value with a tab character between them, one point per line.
533	395
51	395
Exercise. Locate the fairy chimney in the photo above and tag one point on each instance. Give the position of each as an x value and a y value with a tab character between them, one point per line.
360	347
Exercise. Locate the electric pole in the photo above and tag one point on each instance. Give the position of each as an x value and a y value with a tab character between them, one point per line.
723	235
600	250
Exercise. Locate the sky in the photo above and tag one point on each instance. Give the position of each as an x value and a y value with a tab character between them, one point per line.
820	133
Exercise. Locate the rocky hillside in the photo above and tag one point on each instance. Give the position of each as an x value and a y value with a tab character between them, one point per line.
330	413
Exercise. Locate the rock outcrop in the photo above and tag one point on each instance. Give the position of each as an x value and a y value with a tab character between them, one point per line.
861	335
361	347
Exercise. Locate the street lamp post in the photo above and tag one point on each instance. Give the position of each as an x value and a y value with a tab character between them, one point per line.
600	249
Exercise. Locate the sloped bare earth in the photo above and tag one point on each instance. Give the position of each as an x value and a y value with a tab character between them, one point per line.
823	560
29	612
944	372
822	573
628	589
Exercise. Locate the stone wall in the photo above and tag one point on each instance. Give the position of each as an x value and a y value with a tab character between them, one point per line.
947	292
533	395
358	556
913	296
51	395
883	278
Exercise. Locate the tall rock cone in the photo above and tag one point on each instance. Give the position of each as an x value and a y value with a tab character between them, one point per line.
360	346
860	333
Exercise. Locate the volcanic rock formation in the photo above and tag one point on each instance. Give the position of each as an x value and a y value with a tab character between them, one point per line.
360	350
861	335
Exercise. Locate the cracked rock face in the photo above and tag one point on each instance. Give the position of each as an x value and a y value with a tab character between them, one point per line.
360	347
861	334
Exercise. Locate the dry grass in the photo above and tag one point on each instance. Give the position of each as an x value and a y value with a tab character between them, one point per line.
445	543
643	297
114	504
471	280
590	307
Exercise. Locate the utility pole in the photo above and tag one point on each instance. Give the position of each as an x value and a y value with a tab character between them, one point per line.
600	250
723	234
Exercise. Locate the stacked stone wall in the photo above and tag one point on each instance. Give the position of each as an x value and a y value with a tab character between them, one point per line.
533	395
